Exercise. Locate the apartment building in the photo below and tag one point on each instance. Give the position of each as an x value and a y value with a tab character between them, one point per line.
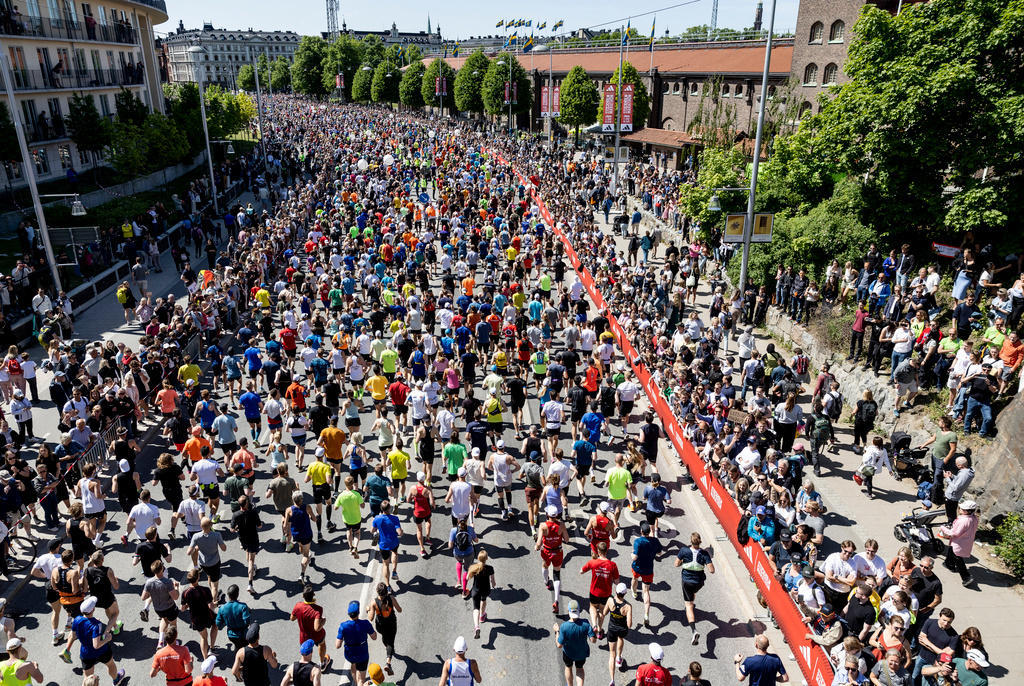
226	52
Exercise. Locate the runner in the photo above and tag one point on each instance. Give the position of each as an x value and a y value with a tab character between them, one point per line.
382	612
319	473
604	574
247	524
652	673
504	466
202	611
298	519
389	530
354	634
600	528
646	550
304	672
482	576
550	537
572	638
533	475
620	621
95	641
351	502
694	560
422	499
310	617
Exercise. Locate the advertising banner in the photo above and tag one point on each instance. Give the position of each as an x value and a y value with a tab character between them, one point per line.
557	106
544	101
507	92
608	110
627	107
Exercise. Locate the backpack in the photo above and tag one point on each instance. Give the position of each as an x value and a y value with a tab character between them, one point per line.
122	295
759	371
822	427
836	410
742	534
463	541
800	364
868	412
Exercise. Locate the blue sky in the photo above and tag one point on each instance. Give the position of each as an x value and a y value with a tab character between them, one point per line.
463	19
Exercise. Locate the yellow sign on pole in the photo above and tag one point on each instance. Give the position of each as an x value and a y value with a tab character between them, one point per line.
763	225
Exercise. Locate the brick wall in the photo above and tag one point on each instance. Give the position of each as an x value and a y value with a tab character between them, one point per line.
816	44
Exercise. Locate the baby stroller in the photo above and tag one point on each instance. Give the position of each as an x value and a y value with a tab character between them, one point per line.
906	461
916	530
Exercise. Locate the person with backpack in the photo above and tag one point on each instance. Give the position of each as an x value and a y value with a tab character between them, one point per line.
753	374
462	538
833	402
820	433
864	420
126	297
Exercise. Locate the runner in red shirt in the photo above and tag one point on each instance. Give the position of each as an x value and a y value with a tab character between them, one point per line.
604	574
174	660
399	391
600	528
310	617
551	535
652	673
287	337
422	500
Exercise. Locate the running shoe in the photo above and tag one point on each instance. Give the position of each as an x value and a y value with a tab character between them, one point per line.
289	546
326	664
124	539
119	678
117	627
57	639
144	615
483	617
65	655
554	608
476	634
695	639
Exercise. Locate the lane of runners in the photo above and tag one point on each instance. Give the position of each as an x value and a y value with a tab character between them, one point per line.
416	374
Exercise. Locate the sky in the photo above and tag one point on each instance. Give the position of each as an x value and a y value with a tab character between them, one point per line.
462	18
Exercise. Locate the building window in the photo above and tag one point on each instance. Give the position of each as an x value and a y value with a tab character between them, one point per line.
105	104
725	91
771	92
817	29
42	164
13	170
65	157
694	88
835	35
665	87
831	73
83	157
811	75
739	91
805	109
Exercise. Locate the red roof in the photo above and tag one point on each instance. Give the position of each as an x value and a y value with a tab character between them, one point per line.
661	137
713	58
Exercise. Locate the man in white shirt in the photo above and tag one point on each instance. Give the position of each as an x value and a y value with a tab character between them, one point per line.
625	395
445	423
460	497
552	414
749	458
417	401
868	563
840	576
141	517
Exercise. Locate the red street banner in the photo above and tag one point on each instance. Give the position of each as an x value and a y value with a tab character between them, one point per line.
515	92
813	661
444	86
437	85
544	101
507	91
339	81
627	107
556	110
608	118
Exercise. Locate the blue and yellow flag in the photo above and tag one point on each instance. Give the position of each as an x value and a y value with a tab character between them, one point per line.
499	24
528	45
542	25
558	24
514	39
529	22
655	21
401	52
455	51
625	36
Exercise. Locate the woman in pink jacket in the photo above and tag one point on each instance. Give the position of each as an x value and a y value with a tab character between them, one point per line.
961	539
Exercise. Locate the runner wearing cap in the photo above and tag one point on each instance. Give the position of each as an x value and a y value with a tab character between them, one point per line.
422	499
389	530
354	634
95	642
192	510
504	466
600	528
652	673
297	519
620	621
332	440
460	497
475	476
303	672
206	473
572	638
399	460
460	670
253	661
550	537
604	574
694	560
16	670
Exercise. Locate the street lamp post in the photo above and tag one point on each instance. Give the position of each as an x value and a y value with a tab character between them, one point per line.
30	171
196	51
501	63
259	100
551	93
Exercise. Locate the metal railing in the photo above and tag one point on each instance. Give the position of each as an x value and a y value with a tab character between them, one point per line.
32	80
68	28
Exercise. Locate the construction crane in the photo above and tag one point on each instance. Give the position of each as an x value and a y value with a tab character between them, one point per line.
332	19
714	20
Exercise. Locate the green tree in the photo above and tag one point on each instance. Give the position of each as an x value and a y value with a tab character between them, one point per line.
373	49
361	84
578	100
165	144
344	56
308	67
246	79
184	110
280	74
263	67
438	68
469	83
409	91
494	86
129	107
87	128
934	97
641	99
128	150
717	168
386	78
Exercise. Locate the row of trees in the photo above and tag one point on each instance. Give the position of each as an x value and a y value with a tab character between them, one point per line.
276	75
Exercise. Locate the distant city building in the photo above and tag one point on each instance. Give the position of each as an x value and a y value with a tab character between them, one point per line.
394	36
226	52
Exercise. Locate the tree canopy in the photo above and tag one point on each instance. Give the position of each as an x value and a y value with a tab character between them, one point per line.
410	90
308	66
494	86
469	85
428	89
86	127
641	99
578	99
386	78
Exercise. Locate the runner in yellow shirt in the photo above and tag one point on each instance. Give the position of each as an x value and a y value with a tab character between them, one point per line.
400	461
319	473
377	385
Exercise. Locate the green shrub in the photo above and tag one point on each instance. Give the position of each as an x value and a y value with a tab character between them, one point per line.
1011	546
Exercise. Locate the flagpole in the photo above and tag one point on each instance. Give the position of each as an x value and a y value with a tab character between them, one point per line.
618	125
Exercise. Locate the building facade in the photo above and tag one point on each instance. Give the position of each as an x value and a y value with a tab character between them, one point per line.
424	39
56	51
226	52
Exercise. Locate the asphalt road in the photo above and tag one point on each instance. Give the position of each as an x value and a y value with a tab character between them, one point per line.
517	641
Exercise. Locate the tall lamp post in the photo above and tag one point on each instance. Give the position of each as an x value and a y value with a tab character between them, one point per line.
30	171
259	99
544	47
196	51
714	205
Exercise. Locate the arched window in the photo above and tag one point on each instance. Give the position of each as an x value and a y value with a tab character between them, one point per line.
675	88
811	74
831	74
805	109
725	91
817	29
771	92
694	88
739	91
835	34
665	87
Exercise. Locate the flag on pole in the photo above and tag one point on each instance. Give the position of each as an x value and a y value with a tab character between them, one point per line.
499	24
542	25
655	21
445	51
401	52
558	24
529	22
625	36
455	52
528	45
512	40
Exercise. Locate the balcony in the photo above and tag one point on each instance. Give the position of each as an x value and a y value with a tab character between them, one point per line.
67	28
31	80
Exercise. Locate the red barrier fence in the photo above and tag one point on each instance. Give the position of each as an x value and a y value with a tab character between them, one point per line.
813	661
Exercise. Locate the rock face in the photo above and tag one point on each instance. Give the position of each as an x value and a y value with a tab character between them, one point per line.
998	485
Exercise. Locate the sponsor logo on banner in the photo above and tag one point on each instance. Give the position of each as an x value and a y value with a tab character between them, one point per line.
544	101
515	92
766	576
805	653
444	86
557	106
627	107
608	116
339	81
507	92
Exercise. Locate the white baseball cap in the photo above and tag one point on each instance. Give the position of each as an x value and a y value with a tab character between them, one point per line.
657	654
420	476
208	665
476	452
551	511
320	452
501	444
460	645
89	604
